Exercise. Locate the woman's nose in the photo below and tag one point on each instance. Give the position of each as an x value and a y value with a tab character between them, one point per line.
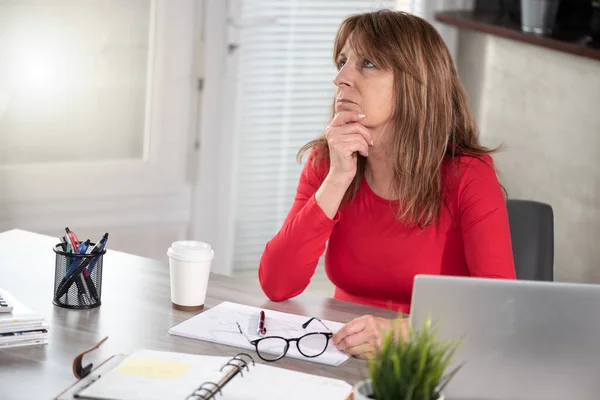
344	77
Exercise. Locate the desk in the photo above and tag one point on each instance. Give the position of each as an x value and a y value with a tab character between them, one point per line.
135	313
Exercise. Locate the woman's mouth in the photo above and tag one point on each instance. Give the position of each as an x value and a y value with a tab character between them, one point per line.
345	101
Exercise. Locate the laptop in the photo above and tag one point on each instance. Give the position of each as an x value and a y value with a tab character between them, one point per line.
522	340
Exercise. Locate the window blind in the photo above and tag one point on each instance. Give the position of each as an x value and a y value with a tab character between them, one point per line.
284	96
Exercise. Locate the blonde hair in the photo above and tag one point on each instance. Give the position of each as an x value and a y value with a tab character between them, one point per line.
432	118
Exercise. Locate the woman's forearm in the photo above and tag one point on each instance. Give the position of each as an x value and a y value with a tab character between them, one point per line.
331	193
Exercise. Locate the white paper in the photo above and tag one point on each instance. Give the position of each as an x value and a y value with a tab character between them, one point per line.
266	382
218	325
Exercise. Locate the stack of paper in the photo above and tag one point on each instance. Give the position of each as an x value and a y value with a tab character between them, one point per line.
21	327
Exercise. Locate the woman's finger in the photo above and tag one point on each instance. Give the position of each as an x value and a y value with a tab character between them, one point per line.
356	145
344	117
354	128
351	328
348	144
361	349
366	356
366	336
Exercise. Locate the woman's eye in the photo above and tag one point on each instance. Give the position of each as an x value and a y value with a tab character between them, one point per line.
341	63
368	64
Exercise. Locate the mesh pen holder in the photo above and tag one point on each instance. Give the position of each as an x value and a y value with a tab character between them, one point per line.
77	279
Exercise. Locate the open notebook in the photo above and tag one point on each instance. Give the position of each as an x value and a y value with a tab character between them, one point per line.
157	375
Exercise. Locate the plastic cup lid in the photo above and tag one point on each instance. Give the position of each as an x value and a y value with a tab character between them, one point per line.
190	250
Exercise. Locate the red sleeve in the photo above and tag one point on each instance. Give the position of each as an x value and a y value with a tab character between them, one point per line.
291	256
484	221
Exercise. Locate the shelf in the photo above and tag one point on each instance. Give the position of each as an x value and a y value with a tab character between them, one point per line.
493	25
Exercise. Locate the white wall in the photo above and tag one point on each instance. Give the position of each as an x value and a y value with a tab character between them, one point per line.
544	107
97	119
73	77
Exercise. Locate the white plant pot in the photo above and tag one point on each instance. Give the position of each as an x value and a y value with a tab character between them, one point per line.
363	390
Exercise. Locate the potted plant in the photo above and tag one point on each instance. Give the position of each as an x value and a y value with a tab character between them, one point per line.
409	368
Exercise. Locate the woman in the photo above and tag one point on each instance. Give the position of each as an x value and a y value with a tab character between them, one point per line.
398	185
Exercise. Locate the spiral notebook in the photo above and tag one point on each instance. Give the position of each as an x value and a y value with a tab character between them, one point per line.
158	375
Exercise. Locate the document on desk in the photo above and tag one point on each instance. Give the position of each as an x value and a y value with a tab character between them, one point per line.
218	325
158	375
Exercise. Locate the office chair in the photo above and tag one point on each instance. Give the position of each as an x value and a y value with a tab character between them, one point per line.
532	234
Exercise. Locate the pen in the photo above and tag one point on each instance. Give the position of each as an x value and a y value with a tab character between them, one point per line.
102	245
262	329
63	243
77	260
85	279
73	247
72	239
91	288
65	247
70	263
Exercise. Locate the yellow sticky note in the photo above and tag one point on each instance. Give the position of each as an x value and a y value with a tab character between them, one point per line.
150	368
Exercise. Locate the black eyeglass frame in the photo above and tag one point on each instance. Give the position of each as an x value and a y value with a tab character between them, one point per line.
255	342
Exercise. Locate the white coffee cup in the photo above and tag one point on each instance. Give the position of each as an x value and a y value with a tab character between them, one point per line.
189	265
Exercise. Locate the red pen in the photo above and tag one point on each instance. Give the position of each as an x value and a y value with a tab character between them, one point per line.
73	239
262	329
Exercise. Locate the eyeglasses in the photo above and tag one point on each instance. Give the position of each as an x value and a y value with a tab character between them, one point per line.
273	348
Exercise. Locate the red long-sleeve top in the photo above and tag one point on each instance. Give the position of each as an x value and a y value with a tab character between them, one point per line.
371	257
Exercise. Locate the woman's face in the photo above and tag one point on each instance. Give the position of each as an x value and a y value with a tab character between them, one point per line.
364	87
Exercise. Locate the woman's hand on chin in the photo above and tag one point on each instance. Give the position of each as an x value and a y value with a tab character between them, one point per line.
362	336
346	138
